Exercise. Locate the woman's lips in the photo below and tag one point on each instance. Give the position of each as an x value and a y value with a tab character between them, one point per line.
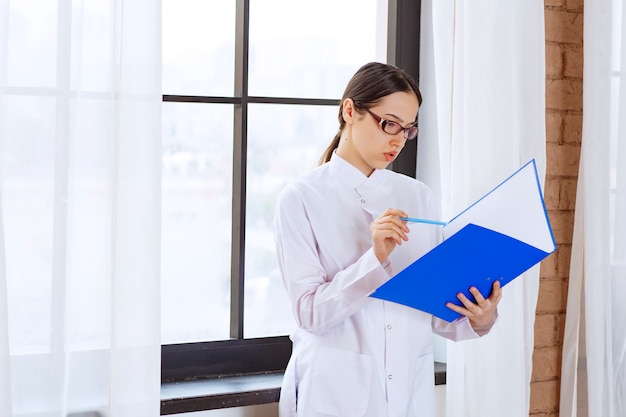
390	156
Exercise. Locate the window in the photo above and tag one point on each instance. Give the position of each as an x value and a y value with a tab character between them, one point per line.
251	89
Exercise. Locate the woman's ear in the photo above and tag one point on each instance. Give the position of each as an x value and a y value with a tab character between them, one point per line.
348	111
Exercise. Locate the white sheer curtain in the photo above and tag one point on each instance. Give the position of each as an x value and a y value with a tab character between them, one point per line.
593	379
483	79
80	153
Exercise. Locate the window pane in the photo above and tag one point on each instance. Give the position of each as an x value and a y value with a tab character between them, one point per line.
198	47
279	149
196	221
311	49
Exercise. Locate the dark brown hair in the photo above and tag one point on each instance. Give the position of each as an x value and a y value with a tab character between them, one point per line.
368	85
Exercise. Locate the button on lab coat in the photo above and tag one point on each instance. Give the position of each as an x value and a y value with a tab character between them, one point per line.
354	355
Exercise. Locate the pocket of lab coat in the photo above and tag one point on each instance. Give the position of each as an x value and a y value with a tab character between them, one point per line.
341	382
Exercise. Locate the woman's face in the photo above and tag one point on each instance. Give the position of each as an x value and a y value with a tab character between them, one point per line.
363	142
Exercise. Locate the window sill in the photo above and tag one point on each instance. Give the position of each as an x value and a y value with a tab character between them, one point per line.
233	391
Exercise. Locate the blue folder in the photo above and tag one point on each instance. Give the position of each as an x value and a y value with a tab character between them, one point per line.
514	235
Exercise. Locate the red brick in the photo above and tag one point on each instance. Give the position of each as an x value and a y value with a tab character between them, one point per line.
554	60
572	61
556	265
546	363
572	128
563	257
554	125
574	5
562	223
551	192
564	94
549	266
567	193
545	330
562	160
554	3
560	328
564	26
544	396
552	296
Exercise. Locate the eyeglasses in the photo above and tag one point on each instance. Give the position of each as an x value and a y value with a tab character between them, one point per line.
393	128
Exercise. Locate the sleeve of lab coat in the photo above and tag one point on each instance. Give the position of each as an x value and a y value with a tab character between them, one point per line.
319	301
460	329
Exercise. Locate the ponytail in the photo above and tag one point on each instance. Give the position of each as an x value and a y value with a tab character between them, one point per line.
331	148
334	144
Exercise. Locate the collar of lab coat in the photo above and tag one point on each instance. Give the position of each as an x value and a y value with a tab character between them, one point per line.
349	174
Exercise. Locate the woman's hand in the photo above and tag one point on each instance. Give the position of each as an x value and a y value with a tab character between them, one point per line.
387	232
483	312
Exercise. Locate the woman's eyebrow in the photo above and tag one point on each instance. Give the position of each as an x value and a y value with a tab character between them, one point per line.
395	117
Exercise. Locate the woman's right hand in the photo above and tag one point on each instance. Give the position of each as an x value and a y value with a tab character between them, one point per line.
387	232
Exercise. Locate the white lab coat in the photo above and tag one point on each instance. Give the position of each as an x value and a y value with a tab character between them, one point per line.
354	355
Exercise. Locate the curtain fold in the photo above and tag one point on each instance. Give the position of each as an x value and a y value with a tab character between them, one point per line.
593	380
483	74
5	365
80	157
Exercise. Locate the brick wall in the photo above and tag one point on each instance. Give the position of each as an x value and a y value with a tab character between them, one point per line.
564	73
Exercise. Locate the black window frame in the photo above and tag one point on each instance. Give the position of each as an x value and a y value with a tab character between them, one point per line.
241	356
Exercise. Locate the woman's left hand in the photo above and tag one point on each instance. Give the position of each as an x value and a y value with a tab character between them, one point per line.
482	313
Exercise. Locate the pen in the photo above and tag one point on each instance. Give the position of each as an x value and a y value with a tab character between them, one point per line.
414	220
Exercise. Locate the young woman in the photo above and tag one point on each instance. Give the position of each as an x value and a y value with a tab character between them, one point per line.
339	236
